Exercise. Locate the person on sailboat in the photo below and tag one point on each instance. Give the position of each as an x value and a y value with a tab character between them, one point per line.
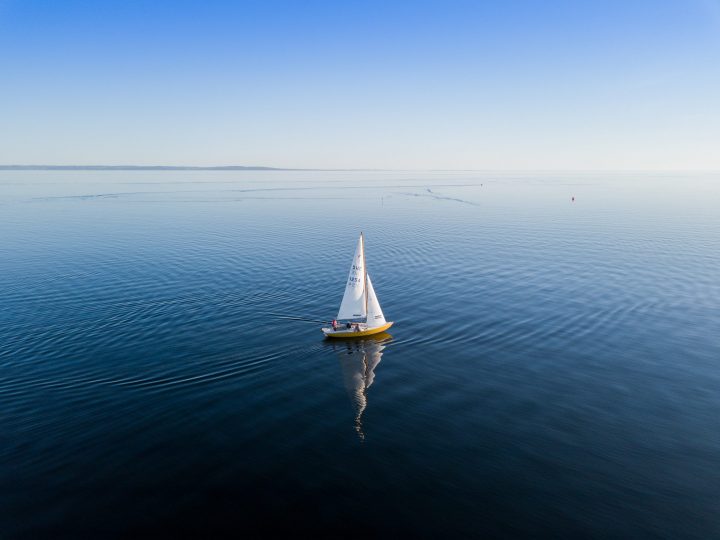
334	324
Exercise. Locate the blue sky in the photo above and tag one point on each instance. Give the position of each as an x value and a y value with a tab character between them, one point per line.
451	84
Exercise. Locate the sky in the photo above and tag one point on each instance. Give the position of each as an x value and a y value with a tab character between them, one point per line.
452	84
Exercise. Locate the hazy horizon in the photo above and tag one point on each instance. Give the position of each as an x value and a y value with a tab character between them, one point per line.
395	86
271	168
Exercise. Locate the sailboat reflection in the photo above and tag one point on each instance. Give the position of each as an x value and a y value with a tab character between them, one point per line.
358	359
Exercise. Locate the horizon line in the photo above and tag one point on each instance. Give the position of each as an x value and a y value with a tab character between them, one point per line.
18	167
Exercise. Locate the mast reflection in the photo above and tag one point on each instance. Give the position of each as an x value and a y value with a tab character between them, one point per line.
358	359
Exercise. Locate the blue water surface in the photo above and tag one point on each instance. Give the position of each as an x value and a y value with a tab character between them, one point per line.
553	371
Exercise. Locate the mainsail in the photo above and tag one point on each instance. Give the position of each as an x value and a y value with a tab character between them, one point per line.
375	315
353	305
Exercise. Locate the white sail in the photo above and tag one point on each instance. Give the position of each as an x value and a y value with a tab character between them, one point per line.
353	305
375	315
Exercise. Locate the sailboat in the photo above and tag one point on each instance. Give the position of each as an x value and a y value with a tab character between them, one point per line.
360	311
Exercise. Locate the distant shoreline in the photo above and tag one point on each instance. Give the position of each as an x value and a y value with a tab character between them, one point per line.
163	168
136	168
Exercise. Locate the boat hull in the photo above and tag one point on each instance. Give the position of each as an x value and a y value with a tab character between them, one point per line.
349	334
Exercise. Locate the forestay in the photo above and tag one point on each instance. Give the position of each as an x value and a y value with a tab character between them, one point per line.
353	302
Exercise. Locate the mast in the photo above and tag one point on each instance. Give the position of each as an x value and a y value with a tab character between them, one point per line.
364	275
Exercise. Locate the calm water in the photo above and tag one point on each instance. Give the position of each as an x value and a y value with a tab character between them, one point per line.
554	368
